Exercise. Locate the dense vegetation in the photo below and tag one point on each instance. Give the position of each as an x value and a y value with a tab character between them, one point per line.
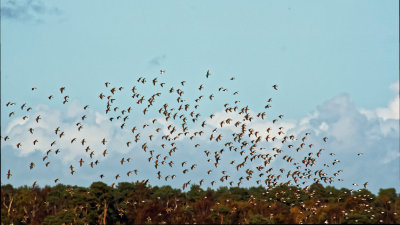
138	203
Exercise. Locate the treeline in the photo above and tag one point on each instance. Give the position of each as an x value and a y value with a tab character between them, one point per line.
138	203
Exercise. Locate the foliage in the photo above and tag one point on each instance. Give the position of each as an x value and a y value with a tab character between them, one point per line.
258	219
138	203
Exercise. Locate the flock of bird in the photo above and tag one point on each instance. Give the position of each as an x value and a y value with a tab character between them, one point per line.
179	119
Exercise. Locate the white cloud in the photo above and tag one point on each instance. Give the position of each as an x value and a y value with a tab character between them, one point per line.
349	130
16	122
392	111
93	131
324	126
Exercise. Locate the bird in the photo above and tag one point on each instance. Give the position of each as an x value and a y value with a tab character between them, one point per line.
9	174
180	118
211	96
154	81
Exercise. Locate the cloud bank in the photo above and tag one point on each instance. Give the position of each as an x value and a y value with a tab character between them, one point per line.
364	142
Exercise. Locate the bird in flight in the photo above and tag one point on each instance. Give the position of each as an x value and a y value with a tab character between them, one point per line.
9	174
156	126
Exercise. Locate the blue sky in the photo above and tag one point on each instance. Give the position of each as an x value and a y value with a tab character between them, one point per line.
318	52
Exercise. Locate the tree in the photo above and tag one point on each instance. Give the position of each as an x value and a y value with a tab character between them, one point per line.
194	193
131	203
357	219
222	211
318	190
388	194
64	217
258	219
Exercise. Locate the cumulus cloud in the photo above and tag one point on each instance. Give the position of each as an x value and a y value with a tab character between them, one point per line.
94	129
374	133
350	131
391	111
